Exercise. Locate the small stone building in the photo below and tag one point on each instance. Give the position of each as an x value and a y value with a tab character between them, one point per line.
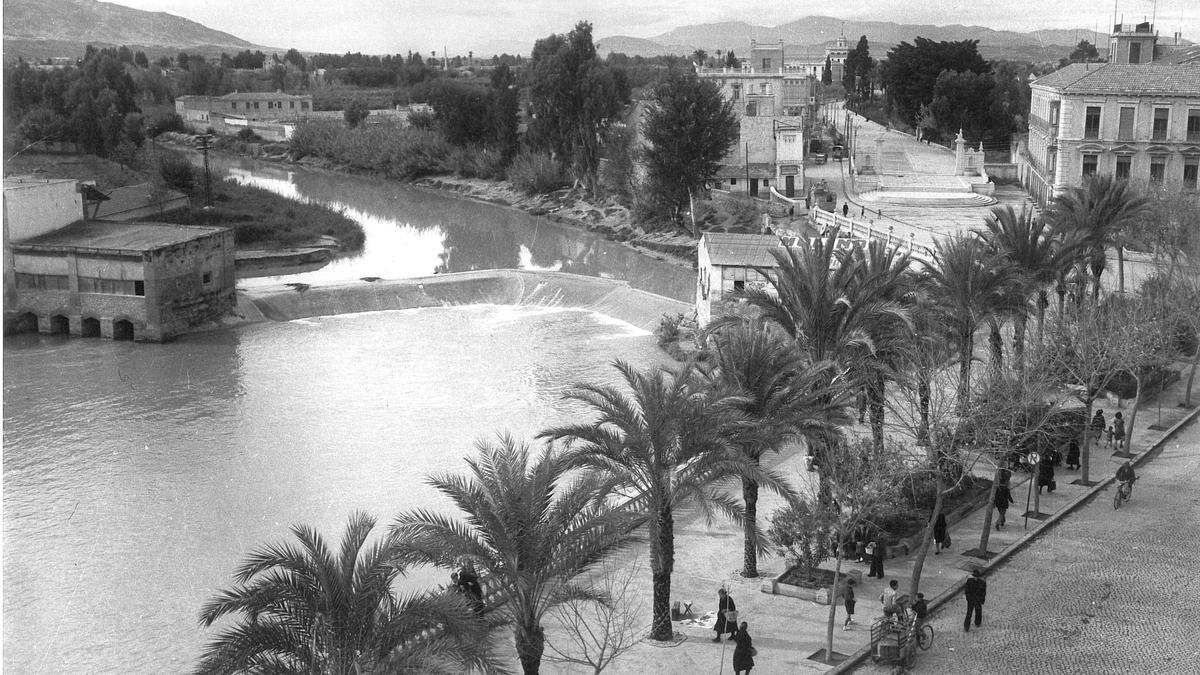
135	281
728	262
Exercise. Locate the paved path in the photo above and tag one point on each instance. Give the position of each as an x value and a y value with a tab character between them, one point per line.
1103	592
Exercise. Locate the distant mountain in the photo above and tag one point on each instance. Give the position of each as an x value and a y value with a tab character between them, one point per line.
64	27
822	31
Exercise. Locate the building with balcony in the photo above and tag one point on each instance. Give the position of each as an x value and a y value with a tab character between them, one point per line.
772	99
1136	117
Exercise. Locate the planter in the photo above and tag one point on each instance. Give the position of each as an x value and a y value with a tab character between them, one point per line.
820	591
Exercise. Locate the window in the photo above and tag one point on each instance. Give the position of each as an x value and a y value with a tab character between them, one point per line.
1193	127
1135	52
737	92
789	139
1054	108
751	109
256	105
764	88
111	286
766	183
292	105
1089	165
233	105
766	64
208	277
1190	166
42	282
1161	117
1091	124
304	105
1123	164
733	181
1125	130
1158	168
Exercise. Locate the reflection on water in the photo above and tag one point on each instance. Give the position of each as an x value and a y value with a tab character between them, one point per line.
136	477
412	232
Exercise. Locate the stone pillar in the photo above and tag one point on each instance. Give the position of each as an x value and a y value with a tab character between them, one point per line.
106	328
75	321
879	155
960	154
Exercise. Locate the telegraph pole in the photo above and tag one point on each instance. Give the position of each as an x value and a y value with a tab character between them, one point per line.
205	140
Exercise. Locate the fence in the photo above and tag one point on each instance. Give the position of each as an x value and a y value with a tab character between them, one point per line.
826	221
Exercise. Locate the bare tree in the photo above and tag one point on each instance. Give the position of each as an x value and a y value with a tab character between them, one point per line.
594	633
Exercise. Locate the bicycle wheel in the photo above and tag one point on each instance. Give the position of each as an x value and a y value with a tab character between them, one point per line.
925	637
1117	499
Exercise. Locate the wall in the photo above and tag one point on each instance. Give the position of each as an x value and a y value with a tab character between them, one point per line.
177	296
34	207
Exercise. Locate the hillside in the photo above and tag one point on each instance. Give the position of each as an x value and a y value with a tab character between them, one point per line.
819	31
40	28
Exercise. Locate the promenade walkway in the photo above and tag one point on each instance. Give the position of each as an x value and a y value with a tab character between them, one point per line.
787	630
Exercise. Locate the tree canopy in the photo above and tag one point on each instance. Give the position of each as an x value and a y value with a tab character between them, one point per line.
912	70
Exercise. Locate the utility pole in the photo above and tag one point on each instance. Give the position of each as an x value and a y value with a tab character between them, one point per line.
205	141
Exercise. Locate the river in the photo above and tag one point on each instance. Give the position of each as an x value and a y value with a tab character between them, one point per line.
137	476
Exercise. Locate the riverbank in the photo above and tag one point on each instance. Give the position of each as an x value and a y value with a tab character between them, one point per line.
609	219
610	297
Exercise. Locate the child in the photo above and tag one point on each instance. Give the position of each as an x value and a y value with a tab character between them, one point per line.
1108	434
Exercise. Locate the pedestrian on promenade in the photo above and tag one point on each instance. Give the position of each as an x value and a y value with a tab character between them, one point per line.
726	615
863	212
1003	499
976	593
888	598
1119	430
743	653
1046	474
1073	454
848	595
876	549
845	209
1098	425
941	538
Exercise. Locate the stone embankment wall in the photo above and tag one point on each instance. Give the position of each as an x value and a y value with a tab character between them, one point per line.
499	287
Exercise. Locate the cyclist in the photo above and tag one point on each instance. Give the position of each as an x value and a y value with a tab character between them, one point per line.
1126	477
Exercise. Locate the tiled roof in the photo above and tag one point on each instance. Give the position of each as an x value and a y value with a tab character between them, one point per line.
745	250
1181	55
1146	78
109	236
261	96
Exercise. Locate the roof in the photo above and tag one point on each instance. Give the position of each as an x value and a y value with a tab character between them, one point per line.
262	96
1145	78
134	197
22	182
743	250
1180	55
122	237
756	170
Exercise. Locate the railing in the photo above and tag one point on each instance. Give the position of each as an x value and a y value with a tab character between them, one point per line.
826	221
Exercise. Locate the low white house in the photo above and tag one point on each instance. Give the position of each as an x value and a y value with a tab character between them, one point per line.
727	261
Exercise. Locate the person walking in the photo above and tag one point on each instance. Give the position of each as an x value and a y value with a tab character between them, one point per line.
1098	425
1119	431
743	653
1073	454
1003	499
941	538
845	209
848	596
875	549
976	593
1046	474
726	615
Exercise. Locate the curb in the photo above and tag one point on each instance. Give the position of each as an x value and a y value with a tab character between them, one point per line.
855	659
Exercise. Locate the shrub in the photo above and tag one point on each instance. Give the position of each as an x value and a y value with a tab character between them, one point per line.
247	134
804	530
668	328
536	173
177	173
163	122
421	120
477	162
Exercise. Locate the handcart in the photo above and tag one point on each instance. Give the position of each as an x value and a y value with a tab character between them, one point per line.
896	639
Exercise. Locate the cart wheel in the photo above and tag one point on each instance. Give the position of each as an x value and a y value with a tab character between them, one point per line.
925	637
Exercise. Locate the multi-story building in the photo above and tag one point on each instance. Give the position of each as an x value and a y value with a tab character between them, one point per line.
771	99
248	105
1135	117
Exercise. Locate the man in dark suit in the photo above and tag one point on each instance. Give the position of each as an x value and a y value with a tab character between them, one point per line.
976	593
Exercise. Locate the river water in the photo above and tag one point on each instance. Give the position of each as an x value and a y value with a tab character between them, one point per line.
136	477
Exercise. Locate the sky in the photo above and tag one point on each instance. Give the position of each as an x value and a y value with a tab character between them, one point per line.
398	26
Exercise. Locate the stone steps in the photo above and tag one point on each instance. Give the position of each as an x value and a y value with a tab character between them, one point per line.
924	198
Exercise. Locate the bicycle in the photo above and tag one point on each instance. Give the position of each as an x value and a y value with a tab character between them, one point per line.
1123	493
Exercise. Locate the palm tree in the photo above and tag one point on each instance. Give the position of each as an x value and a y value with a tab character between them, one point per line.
838	307
307	609
530	528
667	443
965	283
780	395
1102	209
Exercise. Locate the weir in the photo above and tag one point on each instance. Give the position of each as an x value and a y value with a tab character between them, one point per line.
610	297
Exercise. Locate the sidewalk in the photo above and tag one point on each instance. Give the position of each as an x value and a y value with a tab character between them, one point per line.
787	630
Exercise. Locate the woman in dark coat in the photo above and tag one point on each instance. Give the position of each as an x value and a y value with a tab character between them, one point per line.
1073	454
1046	474
1003	499
876	559
743	657
724	604
939	534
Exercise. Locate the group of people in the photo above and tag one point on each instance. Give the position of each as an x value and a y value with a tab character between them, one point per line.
727	622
